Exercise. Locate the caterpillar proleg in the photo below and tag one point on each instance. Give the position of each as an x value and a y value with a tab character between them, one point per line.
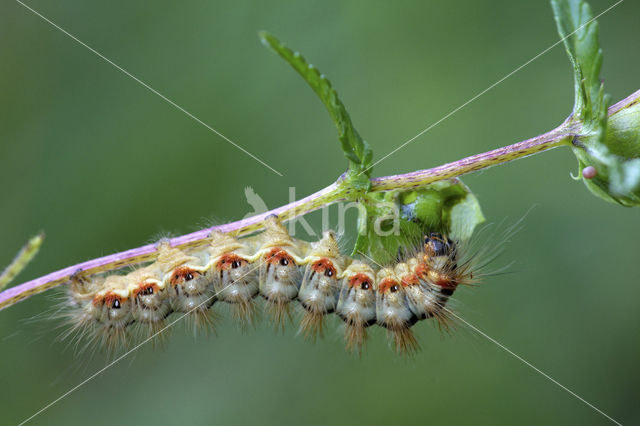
280	269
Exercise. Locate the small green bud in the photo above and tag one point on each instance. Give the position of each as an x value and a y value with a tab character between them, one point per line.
392	220
448	206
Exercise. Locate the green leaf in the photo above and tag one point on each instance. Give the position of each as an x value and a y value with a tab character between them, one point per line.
579	32
355	148
394	220
609	144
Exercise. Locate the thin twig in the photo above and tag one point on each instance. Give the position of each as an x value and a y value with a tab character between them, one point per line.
22	259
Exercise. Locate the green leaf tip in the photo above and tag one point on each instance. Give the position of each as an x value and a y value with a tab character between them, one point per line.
611	145
579	32
397	219
355	149
22	259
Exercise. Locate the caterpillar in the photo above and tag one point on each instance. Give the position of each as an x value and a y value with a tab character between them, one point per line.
279	269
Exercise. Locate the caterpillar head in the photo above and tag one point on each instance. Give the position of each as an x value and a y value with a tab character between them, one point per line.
440	262
436	245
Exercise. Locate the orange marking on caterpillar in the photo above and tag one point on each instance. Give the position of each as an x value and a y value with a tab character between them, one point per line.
146	289
182	274
442	280
110	299
230	260
325	266
277	255
438	278
411	279
388	284
422	270
360	280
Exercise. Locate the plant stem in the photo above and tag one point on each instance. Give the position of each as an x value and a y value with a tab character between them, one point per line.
557	137
336	192
22	259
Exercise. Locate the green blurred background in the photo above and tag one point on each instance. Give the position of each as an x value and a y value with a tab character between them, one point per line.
102	165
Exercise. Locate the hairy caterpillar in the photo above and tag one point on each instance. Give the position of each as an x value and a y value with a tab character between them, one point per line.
279	269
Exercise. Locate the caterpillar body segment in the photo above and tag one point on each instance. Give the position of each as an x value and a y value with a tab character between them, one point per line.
190	290
280	269
150	296
231	269
440	261
111	307
80	295
357	303
441	272
282	261
151	301
320	289
393	310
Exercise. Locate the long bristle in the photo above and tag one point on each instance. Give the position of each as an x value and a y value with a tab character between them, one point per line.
355	335
202	321
280	313
444	320
404	340
157	332
113	339
244	313
311	325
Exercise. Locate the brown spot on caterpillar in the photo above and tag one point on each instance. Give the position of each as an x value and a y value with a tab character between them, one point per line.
443	280
182	274
230	261
388	284
432	275
411	279
325	266
146	289
111	300
277	255
360	280
422	270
